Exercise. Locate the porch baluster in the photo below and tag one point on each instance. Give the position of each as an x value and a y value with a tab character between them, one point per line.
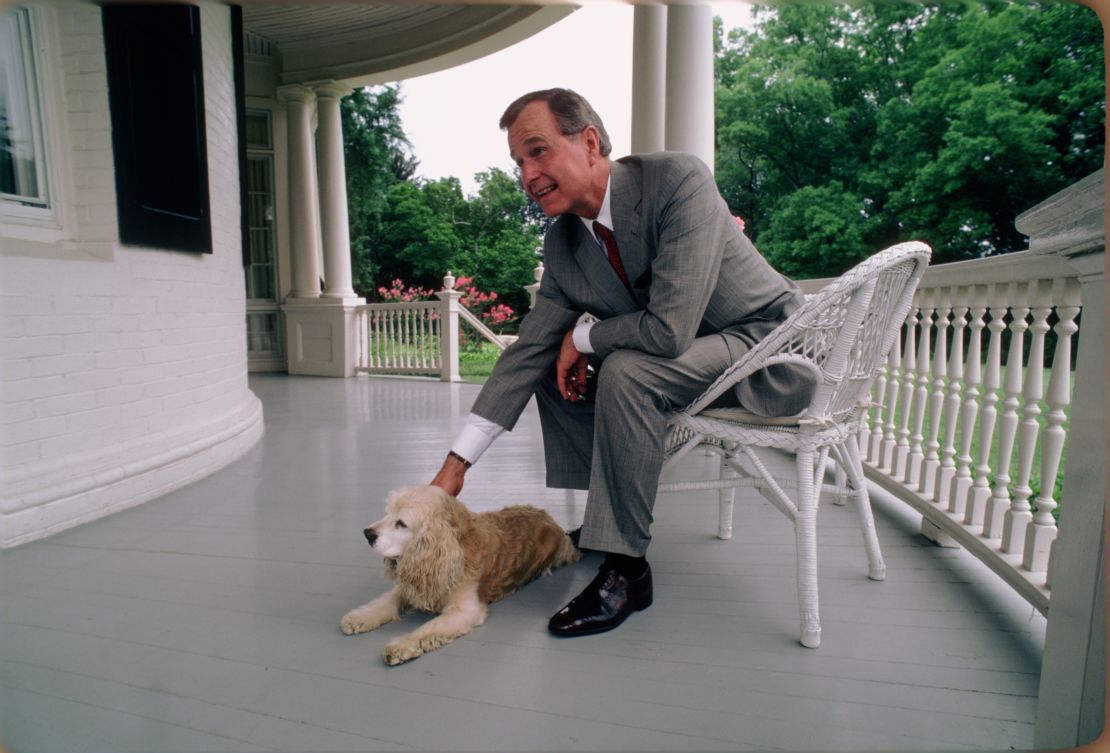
1019	515
885	445
928	482
393	360
411	318
1008	421
871	439
1042	533
921	394
909	369
947	470
423	338
969	411
981	489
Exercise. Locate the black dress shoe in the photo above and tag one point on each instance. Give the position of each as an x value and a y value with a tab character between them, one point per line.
604	604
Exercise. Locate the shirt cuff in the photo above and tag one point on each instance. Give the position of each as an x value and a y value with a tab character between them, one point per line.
581	338
475	437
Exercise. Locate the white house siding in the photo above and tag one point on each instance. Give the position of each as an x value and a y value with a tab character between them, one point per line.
124	369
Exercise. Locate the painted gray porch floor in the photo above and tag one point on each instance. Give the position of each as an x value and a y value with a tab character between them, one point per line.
207	620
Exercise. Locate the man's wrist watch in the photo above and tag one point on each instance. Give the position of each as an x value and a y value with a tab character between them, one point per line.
466	463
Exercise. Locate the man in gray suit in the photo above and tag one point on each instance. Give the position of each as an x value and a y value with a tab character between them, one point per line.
647	246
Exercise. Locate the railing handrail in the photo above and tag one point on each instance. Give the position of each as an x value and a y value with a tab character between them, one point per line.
1014	267
478	326
399	306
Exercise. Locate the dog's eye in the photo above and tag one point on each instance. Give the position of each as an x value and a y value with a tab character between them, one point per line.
401	524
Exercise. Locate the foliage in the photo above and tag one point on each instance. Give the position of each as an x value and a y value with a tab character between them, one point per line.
419	241
417	230
843	129
500	238
497	316
378	156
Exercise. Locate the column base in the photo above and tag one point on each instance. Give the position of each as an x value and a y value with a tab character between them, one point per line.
321	336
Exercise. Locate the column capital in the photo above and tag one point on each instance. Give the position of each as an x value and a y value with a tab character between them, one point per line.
330	89
295	93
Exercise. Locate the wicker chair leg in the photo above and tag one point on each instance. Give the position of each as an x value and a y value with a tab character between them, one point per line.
842	490
876	567
805	534
726	497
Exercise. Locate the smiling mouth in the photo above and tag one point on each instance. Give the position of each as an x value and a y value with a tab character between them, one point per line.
545	191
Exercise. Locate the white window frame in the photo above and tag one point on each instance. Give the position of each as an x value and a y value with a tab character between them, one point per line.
22	40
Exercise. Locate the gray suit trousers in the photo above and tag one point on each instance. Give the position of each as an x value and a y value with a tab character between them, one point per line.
612	443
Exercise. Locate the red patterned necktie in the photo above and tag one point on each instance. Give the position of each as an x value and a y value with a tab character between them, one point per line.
606	236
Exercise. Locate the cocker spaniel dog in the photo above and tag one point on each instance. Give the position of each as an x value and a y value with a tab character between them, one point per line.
443	558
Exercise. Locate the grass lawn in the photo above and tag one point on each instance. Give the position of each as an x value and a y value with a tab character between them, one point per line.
476	362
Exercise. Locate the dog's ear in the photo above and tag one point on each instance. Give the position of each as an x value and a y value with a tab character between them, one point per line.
433	561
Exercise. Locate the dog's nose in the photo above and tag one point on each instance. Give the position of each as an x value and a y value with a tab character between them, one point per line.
370	535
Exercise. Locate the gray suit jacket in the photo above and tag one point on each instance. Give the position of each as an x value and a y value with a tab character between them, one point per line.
693	272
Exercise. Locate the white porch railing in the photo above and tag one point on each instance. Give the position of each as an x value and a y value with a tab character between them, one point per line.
419	337
956	426
969	420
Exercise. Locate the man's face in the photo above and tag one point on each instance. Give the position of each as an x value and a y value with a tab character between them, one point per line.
556	171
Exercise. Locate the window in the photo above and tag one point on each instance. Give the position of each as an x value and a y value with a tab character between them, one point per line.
23	174
261	272
264	332
156	96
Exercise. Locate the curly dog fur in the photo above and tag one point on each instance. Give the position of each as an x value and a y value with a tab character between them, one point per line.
445	559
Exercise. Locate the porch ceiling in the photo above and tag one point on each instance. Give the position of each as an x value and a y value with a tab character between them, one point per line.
373	43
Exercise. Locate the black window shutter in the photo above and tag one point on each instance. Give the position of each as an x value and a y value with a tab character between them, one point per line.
156	96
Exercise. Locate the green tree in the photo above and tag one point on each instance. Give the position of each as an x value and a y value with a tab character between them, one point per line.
502	236
941	122
419	240
817	231
378	156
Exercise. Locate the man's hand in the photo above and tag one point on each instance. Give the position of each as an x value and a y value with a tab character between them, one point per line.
570	370
450	476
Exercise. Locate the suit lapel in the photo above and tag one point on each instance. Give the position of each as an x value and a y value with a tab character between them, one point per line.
608	289
625	204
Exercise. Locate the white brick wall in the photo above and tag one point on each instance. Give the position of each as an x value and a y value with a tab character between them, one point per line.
124	370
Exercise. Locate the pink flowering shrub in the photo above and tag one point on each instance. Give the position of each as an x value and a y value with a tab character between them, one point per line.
398	293
484	305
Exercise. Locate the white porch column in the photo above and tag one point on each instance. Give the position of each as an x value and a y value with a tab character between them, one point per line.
304	216
335	231
649	79
690	114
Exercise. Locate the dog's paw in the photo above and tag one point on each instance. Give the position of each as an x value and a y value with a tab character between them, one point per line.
401	651
358	621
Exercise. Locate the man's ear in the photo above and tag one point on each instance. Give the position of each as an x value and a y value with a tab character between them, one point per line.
592	140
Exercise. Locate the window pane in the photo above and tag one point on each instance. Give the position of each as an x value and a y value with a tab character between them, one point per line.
262	274
21	162
258	130
264	335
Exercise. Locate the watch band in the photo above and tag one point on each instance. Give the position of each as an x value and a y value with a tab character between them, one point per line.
466	463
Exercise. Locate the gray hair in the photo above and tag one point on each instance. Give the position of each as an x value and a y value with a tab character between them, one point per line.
571	110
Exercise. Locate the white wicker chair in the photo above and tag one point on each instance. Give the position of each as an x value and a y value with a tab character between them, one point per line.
842	334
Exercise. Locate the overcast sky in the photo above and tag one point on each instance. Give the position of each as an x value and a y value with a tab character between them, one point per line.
451	117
